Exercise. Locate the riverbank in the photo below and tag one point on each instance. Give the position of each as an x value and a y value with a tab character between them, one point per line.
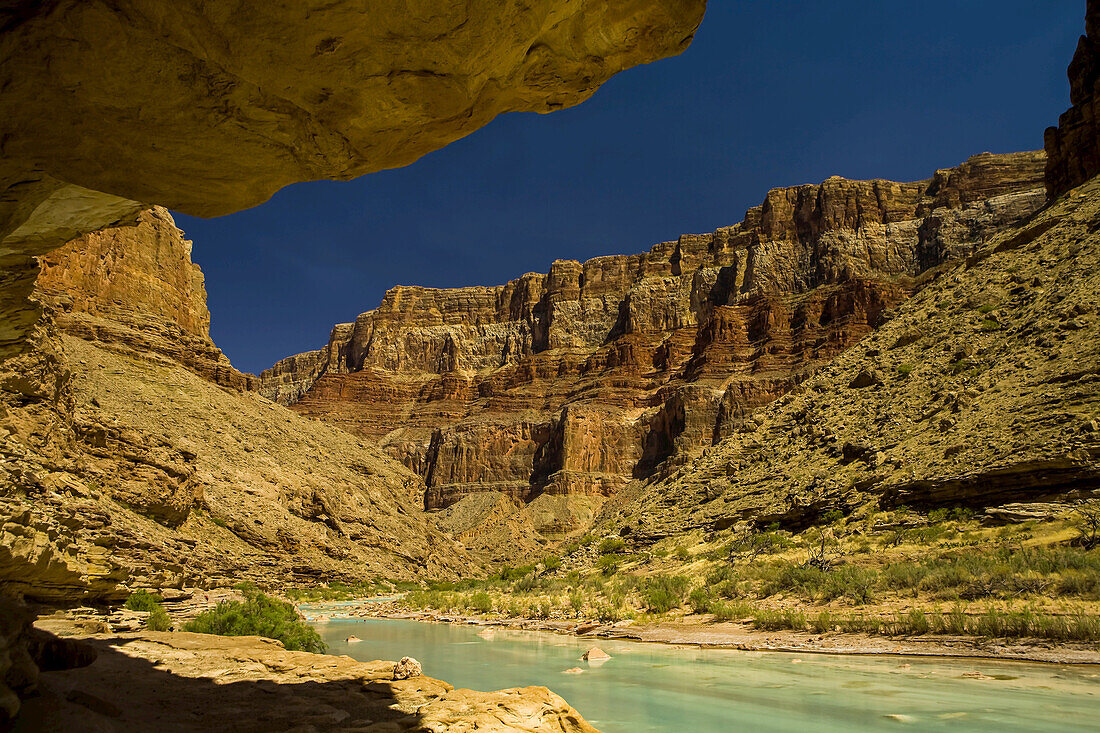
183	682
741	636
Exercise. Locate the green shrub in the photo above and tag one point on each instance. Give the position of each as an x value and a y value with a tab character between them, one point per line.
918	622
509	574
1086	520
662	593
699	600
480	602
551	563
526	584
608	564
904	370
851	582
823	623
903	576
990	324
576	602
729	611
751	545
158	620
770	620
143	600
611	545
258	615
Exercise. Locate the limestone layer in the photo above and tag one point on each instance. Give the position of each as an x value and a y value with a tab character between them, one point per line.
131	453
580	380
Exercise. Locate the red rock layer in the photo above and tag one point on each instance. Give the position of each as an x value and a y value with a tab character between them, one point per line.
135	287
577	381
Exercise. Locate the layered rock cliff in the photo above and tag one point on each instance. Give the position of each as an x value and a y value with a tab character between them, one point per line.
580	380
1073	147
135	287
125	460
982	390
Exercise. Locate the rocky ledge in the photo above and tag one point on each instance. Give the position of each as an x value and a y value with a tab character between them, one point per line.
186	682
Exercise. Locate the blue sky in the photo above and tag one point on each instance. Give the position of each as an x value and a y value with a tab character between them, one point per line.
771	93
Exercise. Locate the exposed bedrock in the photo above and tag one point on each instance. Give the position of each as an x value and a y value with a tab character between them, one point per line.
581	379
981	391
1073	146
136	287
209	108
132	454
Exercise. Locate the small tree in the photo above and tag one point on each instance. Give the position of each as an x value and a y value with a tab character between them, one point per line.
822	548
750	544
1086	520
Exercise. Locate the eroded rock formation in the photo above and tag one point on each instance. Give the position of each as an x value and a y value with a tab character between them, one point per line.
983	390
1073	146
136	287
580	380
130	454
209	109
253	685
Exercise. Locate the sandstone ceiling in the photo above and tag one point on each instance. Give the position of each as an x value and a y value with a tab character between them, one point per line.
209	108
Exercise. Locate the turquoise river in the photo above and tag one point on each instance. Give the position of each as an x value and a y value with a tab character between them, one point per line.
651	687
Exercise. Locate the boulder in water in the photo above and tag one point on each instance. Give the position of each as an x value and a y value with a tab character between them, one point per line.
352	639
406	668
595	654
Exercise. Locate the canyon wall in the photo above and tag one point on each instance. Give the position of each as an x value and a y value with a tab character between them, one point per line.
135	287
132	453
1073	147
580	380
982	391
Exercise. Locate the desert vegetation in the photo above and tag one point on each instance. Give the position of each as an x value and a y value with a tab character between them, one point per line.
900	572
258	615
142	600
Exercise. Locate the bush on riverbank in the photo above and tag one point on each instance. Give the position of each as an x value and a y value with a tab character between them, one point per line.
1009	581
143	600
258	615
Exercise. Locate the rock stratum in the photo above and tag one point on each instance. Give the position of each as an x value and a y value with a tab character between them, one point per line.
132	453
981	391
136	288
560	389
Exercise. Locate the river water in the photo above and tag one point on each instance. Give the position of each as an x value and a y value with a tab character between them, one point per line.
651	687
